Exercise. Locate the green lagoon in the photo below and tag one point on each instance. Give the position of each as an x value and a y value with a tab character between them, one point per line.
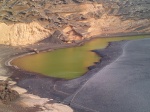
67	63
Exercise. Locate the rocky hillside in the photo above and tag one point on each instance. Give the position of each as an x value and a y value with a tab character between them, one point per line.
25	22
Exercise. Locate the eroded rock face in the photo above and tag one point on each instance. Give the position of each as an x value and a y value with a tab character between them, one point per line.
22	33
28	21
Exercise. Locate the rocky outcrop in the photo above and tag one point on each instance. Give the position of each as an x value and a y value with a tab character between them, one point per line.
22	33
6	94
26	22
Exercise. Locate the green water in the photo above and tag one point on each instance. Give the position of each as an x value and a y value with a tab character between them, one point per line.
67	63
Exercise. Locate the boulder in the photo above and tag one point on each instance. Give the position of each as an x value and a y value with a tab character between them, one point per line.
6	94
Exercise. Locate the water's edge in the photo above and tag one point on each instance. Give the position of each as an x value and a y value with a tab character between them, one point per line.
60	84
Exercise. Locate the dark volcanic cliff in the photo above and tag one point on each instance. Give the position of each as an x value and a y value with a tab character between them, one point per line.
25	22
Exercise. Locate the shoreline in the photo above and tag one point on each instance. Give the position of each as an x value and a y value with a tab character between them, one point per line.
57	82
65	45
27	101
